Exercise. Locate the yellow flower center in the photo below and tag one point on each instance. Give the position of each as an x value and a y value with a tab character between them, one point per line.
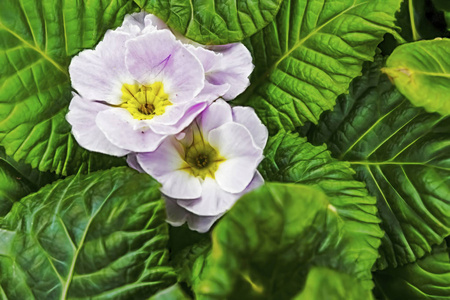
202	160
145	101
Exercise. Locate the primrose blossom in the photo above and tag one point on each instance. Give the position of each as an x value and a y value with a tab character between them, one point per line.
207	167
141	84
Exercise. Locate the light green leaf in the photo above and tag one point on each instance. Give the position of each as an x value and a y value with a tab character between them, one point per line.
421	72
264	246
18	180
323	283
214	22
309	54
99	236
428	278
37	40
290	158
403	154
175	292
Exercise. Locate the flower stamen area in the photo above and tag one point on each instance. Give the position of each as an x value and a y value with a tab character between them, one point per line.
201	158
145	101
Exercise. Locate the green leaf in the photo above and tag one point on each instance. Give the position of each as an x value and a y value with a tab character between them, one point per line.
175	292
290	158
101	236
323	283
264	246
421	72
403	154
214	22
37	40
309	54
428	278
18	180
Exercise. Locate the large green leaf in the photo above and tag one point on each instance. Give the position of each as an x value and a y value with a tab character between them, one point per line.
428	278
265	245
323	283
290	158
98	236
211	21
18	180
309	54
421	72
37	40
403	154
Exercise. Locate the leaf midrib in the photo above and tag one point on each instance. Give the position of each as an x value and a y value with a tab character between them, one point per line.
298	44
35	48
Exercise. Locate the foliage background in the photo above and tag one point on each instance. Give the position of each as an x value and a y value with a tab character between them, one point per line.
356	204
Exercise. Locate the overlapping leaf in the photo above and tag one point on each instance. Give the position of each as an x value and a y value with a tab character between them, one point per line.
18	180
97	236
323	283
428	278
421	72
403	154
290	158
309	54
264	246
214	22
37	41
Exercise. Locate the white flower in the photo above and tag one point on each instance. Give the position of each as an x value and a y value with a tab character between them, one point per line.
208	166
142	84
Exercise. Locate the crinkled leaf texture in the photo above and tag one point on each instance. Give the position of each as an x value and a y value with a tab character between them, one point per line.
264	246
37	40
99	236
323	283
290	158
428	278
403	155
214	22
175	292
309	54
421	72
18	180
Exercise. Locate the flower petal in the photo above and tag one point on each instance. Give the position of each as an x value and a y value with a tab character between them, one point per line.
234	142
187	116
177	216
247	117
234	68
214	200
133	24
158	57
133	162
99	74
214	116
81	116
120	128
166	165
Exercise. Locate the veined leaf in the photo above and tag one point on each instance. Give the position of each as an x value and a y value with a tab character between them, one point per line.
403	154
290	158
97	236
264	246
214	22
18	180
309	54
428	278
37	40
421	72
323	283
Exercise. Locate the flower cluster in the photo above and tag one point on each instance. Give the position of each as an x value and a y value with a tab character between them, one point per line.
153	95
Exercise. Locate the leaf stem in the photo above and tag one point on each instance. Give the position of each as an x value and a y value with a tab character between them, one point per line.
412	20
